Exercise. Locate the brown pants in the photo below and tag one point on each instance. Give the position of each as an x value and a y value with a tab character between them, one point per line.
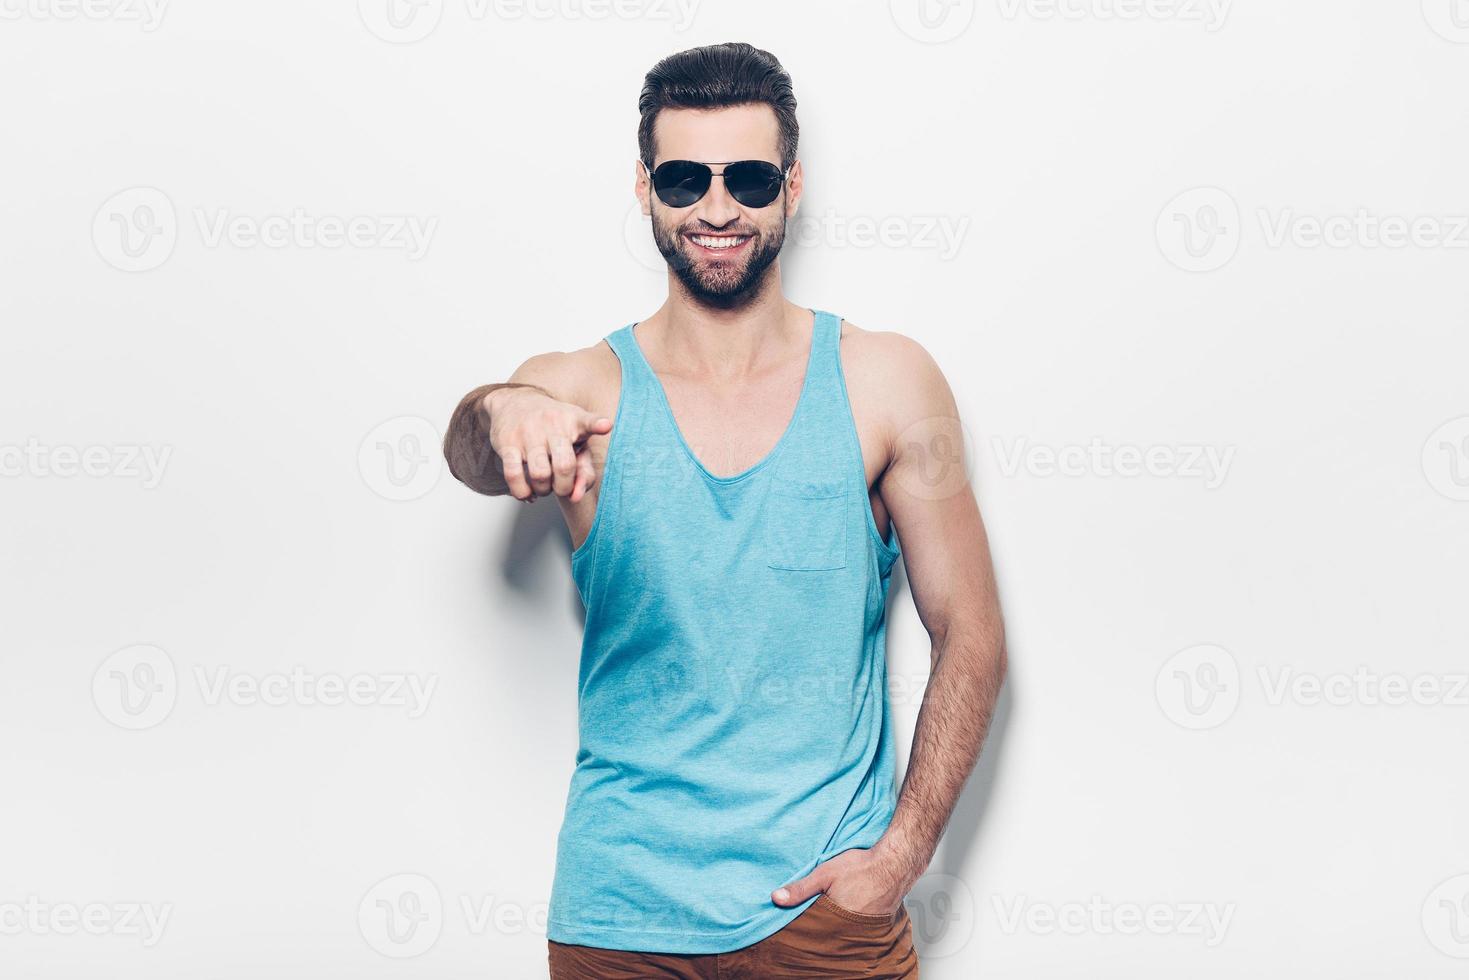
826	940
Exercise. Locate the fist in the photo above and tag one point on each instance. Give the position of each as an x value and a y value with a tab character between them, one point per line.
542	443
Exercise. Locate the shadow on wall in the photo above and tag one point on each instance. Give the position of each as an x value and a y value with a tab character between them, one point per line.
967	822
518	569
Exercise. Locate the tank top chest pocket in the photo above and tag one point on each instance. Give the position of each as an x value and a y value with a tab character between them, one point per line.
805	527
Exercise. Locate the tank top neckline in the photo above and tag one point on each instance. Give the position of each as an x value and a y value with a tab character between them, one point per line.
806	384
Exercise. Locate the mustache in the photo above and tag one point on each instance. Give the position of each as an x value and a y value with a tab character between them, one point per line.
702	230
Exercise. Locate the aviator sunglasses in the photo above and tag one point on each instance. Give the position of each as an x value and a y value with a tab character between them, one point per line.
753	183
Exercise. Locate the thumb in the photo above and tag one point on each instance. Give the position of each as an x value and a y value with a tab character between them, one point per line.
598	424
798	891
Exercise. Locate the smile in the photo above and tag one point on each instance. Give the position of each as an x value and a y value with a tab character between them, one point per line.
719	243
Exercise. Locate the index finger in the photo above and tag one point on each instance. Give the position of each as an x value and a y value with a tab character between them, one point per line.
591	424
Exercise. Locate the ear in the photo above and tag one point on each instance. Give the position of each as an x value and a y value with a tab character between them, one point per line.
793	190
642	187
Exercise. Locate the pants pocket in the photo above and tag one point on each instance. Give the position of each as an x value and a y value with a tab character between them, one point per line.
863	918
831	941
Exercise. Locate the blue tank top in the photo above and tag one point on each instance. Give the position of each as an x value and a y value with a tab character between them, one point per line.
732	696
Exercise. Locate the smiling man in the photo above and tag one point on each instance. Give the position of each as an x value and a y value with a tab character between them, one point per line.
736	471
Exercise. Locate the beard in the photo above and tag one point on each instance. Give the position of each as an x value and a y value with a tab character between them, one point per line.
722	284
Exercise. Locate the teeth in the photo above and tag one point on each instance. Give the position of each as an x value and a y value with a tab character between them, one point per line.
708	242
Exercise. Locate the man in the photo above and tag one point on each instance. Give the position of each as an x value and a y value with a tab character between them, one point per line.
734	469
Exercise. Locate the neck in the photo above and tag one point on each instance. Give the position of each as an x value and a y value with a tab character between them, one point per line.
726	343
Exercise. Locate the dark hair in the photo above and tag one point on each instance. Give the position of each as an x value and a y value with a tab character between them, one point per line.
716	76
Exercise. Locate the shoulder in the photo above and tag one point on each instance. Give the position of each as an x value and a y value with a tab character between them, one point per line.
895	371
587	376
909	406
885	351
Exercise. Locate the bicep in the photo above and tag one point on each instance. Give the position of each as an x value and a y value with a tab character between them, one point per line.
555	372
927	491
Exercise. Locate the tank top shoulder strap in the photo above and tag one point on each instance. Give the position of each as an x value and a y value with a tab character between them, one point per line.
632	395
828	327
622	344
825	380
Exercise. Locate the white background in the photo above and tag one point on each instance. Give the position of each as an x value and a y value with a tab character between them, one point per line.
301	520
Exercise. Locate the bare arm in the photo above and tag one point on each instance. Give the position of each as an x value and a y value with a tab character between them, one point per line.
467	449
947	560
525	437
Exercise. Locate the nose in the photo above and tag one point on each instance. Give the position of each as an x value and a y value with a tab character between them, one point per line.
717	208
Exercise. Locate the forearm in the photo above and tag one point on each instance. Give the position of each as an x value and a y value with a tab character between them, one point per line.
467	448
969	668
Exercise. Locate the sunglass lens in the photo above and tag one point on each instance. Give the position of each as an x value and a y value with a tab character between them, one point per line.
754	183
680	183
